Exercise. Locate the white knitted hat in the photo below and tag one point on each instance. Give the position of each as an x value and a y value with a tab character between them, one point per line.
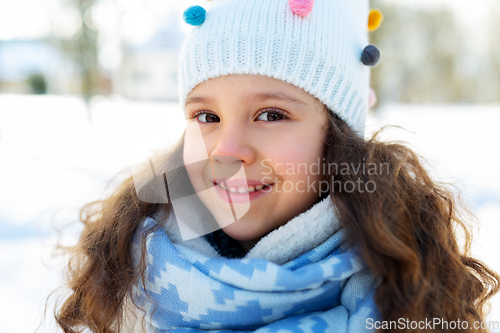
319	51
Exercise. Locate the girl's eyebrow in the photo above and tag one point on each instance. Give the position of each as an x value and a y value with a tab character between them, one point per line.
198	99
257	97
280	96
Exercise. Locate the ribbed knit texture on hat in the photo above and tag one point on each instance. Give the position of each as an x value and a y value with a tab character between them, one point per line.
319	53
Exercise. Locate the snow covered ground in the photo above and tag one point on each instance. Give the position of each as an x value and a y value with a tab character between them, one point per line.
53	160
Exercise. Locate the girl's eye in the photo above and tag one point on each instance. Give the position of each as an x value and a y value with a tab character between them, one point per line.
274	115
207	118
271	116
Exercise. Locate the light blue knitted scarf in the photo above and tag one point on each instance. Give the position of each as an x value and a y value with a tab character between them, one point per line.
327	289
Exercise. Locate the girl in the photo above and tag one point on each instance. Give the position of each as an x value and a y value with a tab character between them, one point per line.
274	213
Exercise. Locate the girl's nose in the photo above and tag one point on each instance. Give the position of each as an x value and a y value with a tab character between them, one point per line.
233	143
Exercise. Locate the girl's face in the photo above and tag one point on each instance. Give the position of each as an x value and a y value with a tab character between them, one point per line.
256	131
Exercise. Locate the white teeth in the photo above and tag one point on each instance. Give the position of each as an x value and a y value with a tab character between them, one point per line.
241	190
245	190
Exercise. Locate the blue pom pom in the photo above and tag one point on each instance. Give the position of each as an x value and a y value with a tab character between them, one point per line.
195	15
370	56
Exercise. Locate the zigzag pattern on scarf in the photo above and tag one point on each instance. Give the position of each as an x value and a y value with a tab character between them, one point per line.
327	289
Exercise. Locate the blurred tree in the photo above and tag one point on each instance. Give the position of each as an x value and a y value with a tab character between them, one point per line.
421	51
494	47
37	83
83	49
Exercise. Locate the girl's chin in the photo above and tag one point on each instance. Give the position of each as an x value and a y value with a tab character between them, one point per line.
241	232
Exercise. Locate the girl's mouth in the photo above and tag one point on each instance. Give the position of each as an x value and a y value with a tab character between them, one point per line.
241	194
243	189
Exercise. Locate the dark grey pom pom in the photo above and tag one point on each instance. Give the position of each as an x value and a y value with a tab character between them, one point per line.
370	56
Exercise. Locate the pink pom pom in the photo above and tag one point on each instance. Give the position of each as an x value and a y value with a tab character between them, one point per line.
301	7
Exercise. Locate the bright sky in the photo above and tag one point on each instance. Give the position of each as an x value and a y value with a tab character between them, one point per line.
473	12
26	19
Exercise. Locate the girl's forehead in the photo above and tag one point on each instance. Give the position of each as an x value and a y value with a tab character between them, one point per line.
255	87
244	80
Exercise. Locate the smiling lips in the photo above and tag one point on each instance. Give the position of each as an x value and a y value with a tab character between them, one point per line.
242	190
241	186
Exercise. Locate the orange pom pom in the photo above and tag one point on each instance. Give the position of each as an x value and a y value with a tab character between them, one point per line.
375	19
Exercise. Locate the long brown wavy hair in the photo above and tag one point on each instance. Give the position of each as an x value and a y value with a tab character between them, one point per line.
405	230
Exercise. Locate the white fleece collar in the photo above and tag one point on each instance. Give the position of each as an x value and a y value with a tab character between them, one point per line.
298	236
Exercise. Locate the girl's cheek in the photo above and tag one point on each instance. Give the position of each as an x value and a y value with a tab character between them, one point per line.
280	168
195	155
195	150
291	157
